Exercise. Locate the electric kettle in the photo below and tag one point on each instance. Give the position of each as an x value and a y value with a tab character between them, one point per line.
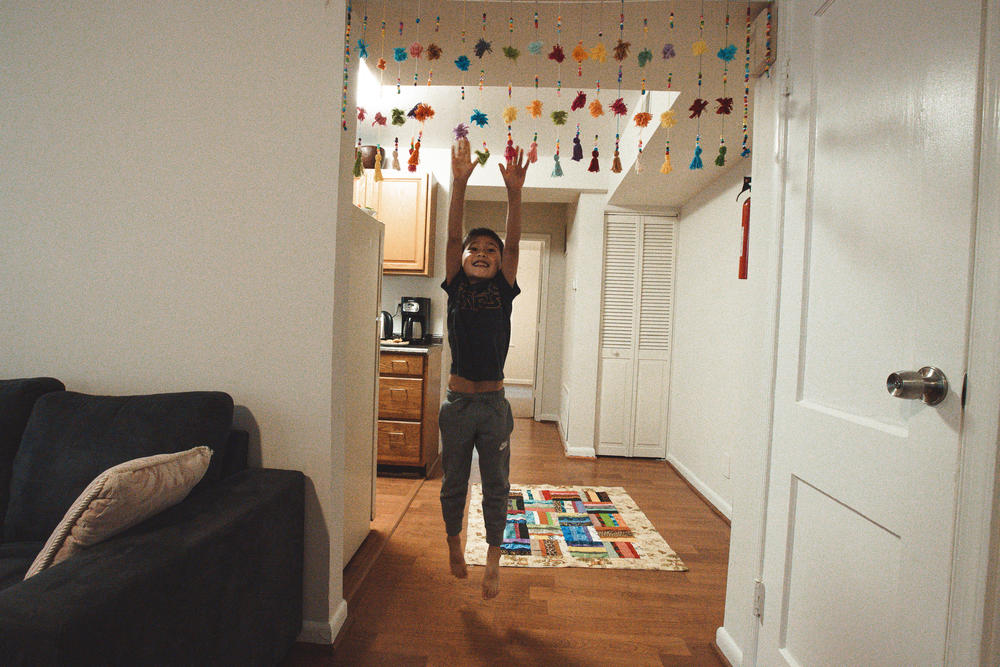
387	324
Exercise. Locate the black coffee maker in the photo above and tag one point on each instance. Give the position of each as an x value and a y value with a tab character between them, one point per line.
416	311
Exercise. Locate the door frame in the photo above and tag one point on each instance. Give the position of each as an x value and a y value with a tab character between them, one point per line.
974	610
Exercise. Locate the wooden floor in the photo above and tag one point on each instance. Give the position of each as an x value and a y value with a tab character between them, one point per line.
409	610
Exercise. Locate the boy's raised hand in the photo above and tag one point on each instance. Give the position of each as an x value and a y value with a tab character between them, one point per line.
513	172
462	164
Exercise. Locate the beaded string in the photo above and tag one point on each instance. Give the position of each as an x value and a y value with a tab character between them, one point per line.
347	60
725	103
699	103
746	87
416	49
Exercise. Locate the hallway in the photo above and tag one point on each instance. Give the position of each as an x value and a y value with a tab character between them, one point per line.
410	611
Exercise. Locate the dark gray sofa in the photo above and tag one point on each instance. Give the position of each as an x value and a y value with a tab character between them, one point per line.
215	579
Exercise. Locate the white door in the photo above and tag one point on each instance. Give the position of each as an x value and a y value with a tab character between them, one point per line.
519	369
878	211
637	294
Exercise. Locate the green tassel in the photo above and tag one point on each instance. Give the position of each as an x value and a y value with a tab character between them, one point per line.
482	157
359	171
720	159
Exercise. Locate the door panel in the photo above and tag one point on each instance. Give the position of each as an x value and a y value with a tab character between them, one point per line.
615	406
649	432
875	270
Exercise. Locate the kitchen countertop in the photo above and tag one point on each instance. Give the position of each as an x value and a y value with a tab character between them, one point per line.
412	348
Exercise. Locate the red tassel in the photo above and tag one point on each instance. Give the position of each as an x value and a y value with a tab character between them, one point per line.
533	152
509	153
594	166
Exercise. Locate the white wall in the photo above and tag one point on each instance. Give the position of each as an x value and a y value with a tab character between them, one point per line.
581	329
169	220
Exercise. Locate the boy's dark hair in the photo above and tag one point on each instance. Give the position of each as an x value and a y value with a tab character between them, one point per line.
482	231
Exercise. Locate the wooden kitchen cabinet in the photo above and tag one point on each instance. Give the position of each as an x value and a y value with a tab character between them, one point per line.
405	203
409	390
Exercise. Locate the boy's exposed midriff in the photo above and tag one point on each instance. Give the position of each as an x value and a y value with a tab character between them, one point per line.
466	386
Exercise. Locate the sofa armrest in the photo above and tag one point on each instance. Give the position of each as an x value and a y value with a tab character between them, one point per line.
216	579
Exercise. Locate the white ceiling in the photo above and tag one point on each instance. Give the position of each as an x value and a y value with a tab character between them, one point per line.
580	21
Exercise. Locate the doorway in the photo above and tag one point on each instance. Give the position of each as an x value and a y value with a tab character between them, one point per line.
525	357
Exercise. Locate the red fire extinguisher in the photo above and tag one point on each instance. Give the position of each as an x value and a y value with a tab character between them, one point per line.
745	256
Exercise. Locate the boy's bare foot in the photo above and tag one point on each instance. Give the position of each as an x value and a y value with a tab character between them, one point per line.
456	557
491	577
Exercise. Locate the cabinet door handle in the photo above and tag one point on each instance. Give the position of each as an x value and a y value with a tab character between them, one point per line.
395	394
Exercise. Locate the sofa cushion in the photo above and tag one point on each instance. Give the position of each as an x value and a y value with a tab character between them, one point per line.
120	498
71	438
17	398
15	558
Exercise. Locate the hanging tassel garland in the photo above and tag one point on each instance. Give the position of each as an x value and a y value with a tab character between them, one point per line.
644	57
559	117
599	53
535	108
378	163
462	63
616	164
509	115
395	156
482	156
596	109
697	107
482	48
461	131
433	51
557	54
557	168
668	51
479	118
577	149
398	117
725	105
642	119
619	108
511	52
533	150
535	48
579	101
509	153
379	119
594	166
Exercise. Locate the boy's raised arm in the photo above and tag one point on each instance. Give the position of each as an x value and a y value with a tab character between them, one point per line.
513	177
462	166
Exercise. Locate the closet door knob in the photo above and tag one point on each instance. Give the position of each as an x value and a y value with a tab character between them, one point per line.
928	384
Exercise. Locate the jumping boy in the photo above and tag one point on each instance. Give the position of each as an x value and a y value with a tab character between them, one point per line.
481	286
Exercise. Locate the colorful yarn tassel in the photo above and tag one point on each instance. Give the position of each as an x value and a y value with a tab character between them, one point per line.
533	152
359	170
395	159
378	164
557	168
482	156
411	164
577	149
594	165
696	161
509	153
665	168
616	164
720	159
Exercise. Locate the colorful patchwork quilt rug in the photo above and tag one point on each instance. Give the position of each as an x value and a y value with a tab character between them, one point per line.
571	526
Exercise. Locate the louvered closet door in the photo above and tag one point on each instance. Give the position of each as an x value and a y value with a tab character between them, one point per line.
635	335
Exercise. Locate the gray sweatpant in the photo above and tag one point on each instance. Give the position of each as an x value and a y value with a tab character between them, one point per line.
482	421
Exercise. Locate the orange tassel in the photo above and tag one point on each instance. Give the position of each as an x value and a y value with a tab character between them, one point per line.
414	157
596	109
665	168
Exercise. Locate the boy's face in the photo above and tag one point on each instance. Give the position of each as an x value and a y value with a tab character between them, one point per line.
481	258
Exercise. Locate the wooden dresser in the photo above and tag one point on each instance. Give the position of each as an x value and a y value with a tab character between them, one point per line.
409	395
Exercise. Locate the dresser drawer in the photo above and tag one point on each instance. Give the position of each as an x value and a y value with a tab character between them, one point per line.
400	364
399	442
400	398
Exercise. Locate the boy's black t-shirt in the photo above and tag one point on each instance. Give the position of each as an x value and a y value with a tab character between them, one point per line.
479	325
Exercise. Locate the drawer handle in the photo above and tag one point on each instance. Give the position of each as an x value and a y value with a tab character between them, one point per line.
402	363
395	435
395	394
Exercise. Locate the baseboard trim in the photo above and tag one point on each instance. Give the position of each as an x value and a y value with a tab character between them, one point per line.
702	489
580	452
727	648
546	417
318	632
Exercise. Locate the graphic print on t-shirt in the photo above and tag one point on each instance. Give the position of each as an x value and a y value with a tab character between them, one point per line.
476	300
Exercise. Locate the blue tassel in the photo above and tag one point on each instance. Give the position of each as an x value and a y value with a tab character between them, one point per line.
696	162
557	169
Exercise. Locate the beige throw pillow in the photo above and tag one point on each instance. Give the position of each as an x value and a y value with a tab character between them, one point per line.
119	498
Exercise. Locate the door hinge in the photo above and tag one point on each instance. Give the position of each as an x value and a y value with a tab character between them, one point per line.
758	598
965	387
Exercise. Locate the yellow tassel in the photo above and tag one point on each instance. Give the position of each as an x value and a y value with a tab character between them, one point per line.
699	47
665	168
378	165
599	53
667	119
509	115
